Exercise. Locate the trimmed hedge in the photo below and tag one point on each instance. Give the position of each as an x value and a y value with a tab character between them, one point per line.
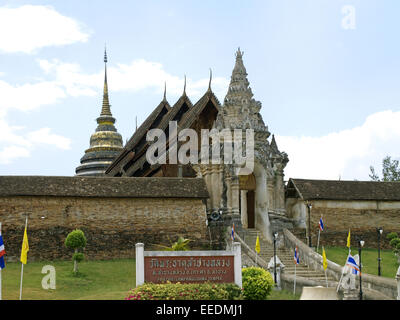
185	291
257	283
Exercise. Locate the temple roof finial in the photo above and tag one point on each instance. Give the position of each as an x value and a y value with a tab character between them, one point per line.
184	87
209	82
239	54
165	91
105	110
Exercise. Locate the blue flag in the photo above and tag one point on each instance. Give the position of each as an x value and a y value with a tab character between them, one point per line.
351	262
2	253
321	224
296	257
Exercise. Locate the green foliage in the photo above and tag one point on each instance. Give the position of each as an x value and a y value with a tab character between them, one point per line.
75	240
390	170
394	242
185	291
78	257
257	283
392	235
180	245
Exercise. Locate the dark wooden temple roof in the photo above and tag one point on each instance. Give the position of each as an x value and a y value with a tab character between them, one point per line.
133	156
104	187
307	189
152	121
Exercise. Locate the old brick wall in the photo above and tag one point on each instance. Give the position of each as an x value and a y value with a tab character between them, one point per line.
112	225
362	222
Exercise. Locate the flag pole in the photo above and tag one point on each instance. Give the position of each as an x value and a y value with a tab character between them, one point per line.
319	232
294	289
341	277
22	265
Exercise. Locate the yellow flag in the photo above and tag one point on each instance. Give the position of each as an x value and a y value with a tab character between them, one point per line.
25	248
324	261
348	240
258	245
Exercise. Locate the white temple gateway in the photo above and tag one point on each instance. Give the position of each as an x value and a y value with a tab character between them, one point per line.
257	196
251	200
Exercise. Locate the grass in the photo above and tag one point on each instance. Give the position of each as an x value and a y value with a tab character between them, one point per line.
369	259
96	280
283	295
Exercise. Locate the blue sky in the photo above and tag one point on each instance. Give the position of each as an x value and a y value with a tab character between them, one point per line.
329	94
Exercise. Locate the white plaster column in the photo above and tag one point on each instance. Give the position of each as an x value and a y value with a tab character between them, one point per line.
139	263
237	251
243	208
261	211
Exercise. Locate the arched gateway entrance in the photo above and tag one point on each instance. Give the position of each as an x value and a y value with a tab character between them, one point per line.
247	187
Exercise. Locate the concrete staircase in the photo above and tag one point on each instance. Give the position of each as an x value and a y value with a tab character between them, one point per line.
249	236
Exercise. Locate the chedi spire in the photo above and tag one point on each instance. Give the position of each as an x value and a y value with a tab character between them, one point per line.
240	110
105	143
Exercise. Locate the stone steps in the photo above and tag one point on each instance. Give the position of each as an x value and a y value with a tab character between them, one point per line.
286	256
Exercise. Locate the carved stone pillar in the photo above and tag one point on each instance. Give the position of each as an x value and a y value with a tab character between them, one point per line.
214	187
207	179
228	194
235	196
279	191
271	194
221	184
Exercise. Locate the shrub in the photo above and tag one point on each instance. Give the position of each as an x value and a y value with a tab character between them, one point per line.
75	239
185	291
392	235
394	242
180	245
257	283
78	257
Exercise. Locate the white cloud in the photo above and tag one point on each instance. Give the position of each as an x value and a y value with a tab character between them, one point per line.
10	153
43	136
29	28
29	96
62	80
347	153
135	76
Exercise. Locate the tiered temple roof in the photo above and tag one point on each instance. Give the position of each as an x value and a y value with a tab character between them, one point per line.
132	159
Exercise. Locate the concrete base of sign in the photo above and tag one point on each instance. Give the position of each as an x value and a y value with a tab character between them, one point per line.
319	293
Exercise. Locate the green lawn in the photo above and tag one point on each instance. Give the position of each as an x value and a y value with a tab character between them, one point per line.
97	280
283	295
369	259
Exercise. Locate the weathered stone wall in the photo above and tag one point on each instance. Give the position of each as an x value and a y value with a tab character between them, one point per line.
112	225
361	217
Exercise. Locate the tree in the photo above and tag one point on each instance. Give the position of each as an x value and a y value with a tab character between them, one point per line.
76	240
390	170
